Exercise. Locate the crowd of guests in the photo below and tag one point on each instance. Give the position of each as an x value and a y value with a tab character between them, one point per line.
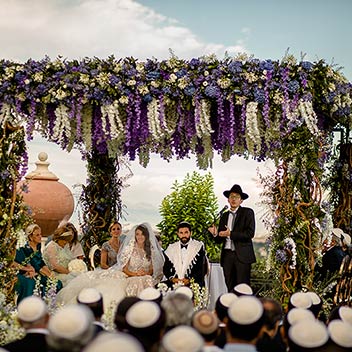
153	322
146	319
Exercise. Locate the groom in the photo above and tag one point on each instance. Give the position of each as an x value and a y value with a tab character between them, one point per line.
185	258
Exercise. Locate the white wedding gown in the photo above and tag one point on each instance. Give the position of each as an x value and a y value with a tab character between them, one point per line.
111	283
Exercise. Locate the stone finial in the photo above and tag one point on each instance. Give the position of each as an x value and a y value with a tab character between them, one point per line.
42	172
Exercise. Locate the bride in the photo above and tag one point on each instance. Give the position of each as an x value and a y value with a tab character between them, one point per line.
139	265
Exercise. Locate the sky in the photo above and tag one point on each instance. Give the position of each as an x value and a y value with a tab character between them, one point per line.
317	29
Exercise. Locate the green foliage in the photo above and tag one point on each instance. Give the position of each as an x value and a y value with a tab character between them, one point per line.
100	200
193	201
13	213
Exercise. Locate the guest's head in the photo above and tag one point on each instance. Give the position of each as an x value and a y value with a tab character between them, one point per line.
146	321
62	236
296	315
307	336
341	312
300	300
185	290
32	313
151	294
115	229
34	233
70	329
70	227
182	338
222	305
317	303
93	299
207	324
112	342
184	231
178	308
121	310
246	319
242	290
272	315
340	336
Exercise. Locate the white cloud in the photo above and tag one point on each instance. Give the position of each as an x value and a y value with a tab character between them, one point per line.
75	29
79	28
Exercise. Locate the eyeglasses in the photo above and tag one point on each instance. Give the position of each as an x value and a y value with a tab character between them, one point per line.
235	197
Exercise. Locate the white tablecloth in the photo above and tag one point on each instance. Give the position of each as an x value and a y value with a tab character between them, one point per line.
215	283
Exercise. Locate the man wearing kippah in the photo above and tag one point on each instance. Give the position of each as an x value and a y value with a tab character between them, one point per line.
185	258
235	232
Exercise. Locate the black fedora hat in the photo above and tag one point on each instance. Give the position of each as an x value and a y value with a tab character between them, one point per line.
236	189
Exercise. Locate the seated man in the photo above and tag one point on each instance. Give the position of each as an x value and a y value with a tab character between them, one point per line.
184	259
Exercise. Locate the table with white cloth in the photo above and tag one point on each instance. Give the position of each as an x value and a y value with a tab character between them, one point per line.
215	283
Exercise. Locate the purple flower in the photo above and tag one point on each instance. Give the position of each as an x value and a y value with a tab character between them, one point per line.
293	86
212	91
259	95
281	256
307	65
190	90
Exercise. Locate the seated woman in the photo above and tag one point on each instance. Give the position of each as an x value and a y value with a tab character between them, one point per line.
75	246
142	267
109	249
57	255
139	264
31	266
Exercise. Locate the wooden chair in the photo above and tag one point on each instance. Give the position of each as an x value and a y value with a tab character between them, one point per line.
94	256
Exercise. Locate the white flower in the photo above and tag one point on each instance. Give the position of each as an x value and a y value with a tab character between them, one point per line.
131	82
77	266
173	78
123	100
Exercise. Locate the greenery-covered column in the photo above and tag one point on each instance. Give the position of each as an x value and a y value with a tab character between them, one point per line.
295	196
100	200
342	193
13	213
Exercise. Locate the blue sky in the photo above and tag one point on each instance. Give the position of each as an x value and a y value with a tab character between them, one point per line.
265	28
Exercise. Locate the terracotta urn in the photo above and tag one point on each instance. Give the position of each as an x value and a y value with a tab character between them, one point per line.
50	200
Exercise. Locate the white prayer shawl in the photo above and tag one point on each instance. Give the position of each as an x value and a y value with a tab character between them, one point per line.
173	251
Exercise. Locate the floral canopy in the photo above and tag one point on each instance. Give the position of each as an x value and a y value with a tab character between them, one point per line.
284	110
174	107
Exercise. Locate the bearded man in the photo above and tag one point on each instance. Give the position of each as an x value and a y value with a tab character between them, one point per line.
185	259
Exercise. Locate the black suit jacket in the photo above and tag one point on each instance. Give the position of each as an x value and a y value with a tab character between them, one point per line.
32	342
242	233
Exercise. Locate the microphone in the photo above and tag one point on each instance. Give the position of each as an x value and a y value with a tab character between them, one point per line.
222	211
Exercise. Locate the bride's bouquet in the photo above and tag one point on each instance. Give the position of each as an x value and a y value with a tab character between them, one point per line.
77	266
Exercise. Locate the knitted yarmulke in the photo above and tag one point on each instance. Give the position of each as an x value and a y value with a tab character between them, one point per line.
245	310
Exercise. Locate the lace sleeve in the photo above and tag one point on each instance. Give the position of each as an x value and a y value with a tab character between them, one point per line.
50	255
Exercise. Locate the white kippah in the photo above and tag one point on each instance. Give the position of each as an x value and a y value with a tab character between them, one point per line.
308	334
345	314
149	294
89	295
185	291
245	310
295	315
337	232
111	342
71	321
314	297
301	300
227	298
243	289
340	333
143	314
31	309
182	338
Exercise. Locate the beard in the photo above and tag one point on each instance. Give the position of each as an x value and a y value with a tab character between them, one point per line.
184	240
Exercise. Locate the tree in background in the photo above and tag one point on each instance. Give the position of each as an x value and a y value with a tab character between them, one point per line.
193	201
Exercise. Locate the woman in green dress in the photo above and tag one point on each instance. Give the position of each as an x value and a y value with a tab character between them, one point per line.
31	265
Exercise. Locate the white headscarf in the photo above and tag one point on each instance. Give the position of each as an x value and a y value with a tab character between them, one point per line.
127	247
